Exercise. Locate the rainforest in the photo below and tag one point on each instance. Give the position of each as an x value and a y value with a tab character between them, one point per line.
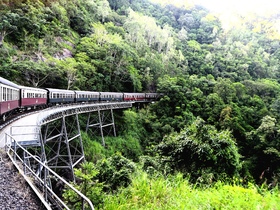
212	141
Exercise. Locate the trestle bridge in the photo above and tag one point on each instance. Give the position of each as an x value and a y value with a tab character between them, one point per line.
47	141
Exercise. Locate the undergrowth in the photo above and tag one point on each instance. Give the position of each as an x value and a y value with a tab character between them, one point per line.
176	192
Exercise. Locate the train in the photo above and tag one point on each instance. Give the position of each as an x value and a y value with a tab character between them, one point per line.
15	98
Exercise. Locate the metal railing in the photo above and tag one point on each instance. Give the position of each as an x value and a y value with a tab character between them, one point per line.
56	112
42	179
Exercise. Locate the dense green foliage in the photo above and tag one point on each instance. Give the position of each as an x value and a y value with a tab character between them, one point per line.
219	116
176	192
201	150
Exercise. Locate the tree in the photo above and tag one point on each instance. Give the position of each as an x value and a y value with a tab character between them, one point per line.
35	74
68	70
212	108
265	153
115	171
103	9
88	184
200	149
225	90
8	24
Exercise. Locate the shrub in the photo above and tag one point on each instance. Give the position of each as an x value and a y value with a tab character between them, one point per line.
115	171
201	149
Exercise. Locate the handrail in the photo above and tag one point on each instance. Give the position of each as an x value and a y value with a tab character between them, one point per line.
12	146
56	112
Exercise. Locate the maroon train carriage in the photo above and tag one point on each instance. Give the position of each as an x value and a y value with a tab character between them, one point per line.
134	96
32	97
9	97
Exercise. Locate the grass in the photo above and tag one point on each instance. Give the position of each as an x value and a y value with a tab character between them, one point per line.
176	192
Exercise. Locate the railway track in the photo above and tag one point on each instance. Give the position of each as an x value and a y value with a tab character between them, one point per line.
12	118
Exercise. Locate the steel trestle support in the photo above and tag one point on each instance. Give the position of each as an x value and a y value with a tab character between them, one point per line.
63	145
103	121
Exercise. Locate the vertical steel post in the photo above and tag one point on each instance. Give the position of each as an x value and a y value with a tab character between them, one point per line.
59	142
68	147
80	136
113	121
88	122
101	127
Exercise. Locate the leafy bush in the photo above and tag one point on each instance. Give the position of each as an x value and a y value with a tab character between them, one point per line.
200	149
88	184
127	145
93	150
115	171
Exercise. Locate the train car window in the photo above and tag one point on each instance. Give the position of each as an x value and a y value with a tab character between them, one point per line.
8	94
4	94
11	94
14	94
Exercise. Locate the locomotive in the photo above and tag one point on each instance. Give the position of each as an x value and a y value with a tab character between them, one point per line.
15	97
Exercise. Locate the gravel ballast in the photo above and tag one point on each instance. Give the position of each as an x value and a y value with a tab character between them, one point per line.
15	193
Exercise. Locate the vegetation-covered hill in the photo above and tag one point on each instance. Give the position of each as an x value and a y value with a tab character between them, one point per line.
219	117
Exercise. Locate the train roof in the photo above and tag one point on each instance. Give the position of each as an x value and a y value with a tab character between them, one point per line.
7	82
60	90
86	92
111	93
134	93
32	88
